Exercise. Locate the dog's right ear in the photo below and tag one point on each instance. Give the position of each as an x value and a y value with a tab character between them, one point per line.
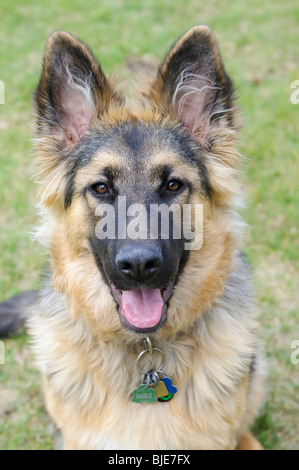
73	90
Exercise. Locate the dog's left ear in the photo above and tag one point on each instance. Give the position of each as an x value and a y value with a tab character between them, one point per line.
192	85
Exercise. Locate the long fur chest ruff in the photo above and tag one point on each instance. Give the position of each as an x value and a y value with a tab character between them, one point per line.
89	381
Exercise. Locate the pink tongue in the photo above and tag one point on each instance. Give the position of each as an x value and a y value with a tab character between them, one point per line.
142	308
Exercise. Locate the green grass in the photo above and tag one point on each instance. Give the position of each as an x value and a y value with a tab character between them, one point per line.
259	42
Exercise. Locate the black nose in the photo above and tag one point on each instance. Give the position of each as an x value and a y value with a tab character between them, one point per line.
139	262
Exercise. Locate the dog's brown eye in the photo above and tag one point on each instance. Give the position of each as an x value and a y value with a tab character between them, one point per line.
100	188
174	185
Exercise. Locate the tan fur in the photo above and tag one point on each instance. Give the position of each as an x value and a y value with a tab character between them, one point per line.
248	442
88	359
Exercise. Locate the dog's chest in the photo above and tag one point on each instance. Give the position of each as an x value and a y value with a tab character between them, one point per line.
156	426
196	417
89	390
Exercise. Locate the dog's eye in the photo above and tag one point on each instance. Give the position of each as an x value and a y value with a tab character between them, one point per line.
174	185
100	188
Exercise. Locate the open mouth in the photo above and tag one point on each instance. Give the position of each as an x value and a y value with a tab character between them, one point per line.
143	310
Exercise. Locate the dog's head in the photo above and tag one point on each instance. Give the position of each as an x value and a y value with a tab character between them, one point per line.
121	184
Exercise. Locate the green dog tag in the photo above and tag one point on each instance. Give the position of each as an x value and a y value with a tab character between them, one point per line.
144	395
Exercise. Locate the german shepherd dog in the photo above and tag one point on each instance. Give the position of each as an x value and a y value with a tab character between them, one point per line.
114	308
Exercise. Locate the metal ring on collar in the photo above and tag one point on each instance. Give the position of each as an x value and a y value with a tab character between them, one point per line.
147	351
148	345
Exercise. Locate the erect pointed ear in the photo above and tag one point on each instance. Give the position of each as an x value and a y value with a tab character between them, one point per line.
72	91
193	86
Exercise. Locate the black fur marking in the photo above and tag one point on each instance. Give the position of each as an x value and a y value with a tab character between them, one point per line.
252	368
13	312
134	138
135	142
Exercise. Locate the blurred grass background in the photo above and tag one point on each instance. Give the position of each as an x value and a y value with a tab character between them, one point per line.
259	44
